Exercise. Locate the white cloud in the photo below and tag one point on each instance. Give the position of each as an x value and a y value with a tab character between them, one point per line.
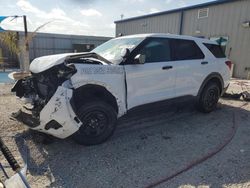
57	13
153	10
168	1
112	26
90	12
61	22
182	3
27	7
141	12
133	1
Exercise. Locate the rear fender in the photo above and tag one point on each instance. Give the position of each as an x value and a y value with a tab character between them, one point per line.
210	77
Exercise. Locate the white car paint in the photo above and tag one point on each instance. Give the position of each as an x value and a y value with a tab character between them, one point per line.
191	73
59	109
110	77
43	63
131	85
147	83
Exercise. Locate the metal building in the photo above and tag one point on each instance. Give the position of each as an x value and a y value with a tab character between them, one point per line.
226	21
47	44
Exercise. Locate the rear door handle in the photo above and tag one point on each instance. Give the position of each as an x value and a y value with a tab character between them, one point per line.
167	67
204	62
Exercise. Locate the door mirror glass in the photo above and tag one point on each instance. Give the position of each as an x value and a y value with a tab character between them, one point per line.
140	59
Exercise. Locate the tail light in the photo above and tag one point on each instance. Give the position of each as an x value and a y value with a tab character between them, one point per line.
229	64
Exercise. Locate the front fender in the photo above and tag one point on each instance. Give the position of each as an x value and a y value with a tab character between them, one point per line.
59	110
112	78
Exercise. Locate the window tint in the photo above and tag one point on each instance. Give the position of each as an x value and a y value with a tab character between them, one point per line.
156	50
216	50
185	50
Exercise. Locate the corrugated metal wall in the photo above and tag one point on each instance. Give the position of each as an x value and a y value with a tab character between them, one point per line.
47	44
159	24
223	20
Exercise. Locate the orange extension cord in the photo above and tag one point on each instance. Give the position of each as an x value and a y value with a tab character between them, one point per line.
203	158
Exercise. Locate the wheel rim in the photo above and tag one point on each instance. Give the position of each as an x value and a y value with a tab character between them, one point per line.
211	97
94	123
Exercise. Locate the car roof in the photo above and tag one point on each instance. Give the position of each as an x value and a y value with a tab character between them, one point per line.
166	35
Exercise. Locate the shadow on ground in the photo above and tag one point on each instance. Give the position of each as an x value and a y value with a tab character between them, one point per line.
148	145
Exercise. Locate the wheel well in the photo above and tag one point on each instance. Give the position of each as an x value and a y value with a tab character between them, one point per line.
214	77
89	92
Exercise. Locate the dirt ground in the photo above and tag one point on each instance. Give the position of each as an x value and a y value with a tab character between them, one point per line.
149	144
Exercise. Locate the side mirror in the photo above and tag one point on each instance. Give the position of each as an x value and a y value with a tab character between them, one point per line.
140	59
125	53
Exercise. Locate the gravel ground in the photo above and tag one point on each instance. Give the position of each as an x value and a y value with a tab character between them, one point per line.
149	144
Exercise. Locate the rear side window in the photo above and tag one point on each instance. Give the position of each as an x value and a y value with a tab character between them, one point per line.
216	50
185	50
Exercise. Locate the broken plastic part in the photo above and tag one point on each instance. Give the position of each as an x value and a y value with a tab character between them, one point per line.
26	118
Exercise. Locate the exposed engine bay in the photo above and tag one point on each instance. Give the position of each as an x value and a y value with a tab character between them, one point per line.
49	95
39	88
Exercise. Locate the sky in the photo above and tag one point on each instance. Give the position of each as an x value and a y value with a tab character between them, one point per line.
81	17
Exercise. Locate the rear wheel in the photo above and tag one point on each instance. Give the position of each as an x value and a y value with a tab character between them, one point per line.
209	97
99	123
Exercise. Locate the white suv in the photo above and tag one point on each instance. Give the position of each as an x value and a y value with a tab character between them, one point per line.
83	94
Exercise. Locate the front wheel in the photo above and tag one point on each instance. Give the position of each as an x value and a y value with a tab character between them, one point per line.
99	123
209	97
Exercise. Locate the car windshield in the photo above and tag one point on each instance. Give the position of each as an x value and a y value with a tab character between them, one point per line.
112	49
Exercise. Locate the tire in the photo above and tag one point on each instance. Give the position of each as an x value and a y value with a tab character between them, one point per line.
209	97
99	122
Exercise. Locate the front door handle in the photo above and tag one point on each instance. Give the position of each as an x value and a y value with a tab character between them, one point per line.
167	67
204	62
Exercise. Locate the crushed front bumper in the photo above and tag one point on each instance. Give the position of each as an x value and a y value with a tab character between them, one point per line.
57	118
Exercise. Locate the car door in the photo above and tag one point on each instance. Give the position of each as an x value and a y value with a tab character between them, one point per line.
152	77
191	66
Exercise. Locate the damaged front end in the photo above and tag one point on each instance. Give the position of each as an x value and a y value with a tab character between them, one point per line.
49	96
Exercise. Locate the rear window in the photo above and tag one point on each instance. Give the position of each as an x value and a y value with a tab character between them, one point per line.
216	50
186	50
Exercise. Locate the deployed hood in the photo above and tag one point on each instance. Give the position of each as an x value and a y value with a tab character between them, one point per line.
43	63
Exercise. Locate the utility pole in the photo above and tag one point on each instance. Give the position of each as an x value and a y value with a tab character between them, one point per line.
25	26
122	16
26	59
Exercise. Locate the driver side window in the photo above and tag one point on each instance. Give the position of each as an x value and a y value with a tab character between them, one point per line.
155	50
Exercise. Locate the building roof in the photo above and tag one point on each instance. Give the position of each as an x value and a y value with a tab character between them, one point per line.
217	2
168	35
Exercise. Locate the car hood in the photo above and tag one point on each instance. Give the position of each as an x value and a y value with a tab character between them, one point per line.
43	63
